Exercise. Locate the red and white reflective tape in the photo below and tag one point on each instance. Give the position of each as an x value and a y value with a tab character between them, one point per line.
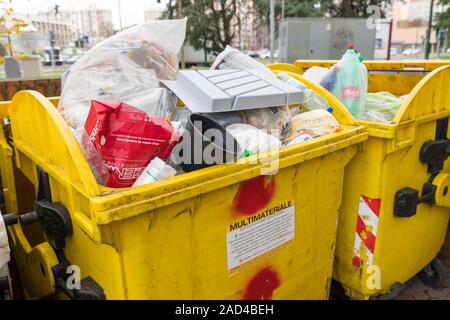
366	229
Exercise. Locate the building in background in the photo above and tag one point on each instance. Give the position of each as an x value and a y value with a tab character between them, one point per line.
152	15
410	21
251	34
93	24
63	31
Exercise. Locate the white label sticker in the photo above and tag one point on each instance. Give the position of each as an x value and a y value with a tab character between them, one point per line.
255	238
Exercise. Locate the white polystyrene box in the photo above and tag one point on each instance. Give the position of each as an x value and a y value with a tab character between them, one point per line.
206	91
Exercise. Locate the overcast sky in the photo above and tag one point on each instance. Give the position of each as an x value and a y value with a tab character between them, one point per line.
132	10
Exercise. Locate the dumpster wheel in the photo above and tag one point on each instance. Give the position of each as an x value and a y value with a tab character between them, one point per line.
433	275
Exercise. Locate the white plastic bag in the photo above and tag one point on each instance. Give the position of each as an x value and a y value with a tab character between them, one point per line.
315	74
381	107
126	67
253	140
315	122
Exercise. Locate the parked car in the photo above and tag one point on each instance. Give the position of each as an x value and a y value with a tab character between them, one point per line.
266	54
47	57
253	54
394	51
411	51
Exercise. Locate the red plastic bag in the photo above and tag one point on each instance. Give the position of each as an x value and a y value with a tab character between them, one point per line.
127	139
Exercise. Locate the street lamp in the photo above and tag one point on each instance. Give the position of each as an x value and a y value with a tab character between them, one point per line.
120	15
272	29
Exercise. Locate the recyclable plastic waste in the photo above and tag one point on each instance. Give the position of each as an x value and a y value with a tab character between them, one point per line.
133	132
365	80
382	107
311	100
127	139
347	81
126	67
253	140
276	120
157	170
98	167
315	74
329	80
302	136
311	124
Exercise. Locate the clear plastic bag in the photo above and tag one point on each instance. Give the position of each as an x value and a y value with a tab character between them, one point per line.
126	67
98	167
253	140
381	107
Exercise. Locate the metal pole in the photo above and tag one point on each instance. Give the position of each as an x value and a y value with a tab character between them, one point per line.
428	35
389	41
282	10
120	15
272	29
52	42
180	15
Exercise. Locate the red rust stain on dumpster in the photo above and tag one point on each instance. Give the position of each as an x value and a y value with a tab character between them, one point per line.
254	195
262	285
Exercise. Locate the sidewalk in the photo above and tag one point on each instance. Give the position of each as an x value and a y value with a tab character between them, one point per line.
416	290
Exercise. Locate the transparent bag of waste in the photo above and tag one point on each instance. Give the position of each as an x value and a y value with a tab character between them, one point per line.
98	167
126	67
381	107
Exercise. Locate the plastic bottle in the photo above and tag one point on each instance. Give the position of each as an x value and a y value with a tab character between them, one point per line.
348	87
156	170
310	99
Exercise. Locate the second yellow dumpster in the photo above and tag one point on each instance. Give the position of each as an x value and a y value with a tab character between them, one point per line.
396	202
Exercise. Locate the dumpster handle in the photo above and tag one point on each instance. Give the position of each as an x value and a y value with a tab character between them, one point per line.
55	221
435	191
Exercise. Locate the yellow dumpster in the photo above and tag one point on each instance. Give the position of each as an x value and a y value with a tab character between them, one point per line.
224	232
395	202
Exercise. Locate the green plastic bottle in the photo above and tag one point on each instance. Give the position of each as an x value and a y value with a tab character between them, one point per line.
349	84
364	83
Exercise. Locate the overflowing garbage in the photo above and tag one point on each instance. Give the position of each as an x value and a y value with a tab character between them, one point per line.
127	139
382	106
347	80
140	120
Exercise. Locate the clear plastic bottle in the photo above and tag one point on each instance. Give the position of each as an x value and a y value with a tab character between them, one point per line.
156	170
349	88
364	89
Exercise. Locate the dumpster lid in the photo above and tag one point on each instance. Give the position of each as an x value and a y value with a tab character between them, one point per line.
208	91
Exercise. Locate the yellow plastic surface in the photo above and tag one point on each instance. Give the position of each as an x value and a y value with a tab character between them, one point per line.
168	240
388	163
